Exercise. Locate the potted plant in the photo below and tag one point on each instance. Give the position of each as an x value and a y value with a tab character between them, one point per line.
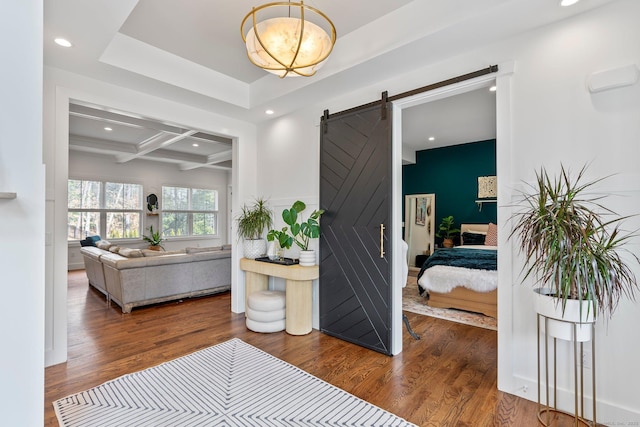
298	231
572	245
154	239
447	231
252	222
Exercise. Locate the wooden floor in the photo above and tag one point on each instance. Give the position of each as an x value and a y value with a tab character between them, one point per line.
448	378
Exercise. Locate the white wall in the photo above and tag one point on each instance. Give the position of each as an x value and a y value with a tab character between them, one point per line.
152	176
553	119
22	234
60	88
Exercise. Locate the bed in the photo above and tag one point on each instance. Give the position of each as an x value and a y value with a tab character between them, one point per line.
464	277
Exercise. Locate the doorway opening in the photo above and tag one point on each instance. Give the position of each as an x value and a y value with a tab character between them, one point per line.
412	130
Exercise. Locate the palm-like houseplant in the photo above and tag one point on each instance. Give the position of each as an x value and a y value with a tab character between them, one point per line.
572	244
252	222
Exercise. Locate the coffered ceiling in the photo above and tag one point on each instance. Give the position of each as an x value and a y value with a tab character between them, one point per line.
127	137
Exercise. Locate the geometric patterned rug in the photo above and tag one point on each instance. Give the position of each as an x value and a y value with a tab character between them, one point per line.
229	384
412	301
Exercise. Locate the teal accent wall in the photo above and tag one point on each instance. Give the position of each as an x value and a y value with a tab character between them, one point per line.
451	173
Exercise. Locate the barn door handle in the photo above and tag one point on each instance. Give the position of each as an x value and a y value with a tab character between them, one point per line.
381	240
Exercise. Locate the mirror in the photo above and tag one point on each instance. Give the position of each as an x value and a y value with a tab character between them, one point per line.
419	227
152	202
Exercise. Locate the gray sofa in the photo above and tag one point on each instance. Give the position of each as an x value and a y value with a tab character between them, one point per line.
149	277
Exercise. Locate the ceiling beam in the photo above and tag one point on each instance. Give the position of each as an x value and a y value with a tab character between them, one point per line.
139	123
151	144
176	156
212	159
99	145
121	119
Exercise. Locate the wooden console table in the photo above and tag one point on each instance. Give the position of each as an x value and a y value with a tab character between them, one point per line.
298	290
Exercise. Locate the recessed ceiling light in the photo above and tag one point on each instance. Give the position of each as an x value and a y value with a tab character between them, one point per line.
431	138
108	129
568	2
63	42
269	112
195	144
493	88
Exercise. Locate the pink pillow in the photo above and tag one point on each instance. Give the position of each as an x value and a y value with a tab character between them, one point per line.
492	235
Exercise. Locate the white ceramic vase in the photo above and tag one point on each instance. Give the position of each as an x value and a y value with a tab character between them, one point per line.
308	258
254	248
561	325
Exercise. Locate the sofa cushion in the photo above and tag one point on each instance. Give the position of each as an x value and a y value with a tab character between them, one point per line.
206	249
103	244
151	253
130	252
123	263
114	249
92	252
203	256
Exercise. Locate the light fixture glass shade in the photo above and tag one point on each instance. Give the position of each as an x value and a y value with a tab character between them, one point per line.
288	46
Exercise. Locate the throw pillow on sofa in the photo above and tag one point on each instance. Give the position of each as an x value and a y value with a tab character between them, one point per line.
103	244
130	252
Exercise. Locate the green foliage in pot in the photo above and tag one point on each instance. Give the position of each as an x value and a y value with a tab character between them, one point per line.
572	243
154	238
446	229
254	219
297	231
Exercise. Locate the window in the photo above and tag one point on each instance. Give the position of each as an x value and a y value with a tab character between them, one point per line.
189	212
112	210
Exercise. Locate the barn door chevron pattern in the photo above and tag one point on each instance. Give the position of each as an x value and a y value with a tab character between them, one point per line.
229	384
355	165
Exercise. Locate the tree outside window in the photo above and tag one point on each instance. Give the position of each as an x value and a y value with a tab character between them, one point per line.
109	209
189	211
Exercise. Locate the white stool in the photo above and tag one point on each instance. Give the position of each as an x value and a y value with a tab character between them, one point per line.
265	311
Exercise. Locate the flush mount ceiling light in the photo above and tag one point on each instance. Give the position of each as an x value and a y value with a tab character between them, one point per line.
568	2
288	45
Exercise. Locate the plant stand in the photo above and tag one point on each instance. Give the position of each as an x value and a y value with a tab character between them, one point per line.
544	411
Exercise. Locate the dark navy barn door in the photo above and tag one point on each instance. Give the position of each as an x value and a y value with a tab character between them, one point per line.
355	192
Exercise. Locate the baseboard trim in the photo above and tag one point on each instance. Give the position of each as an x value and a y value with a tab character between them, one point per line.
608	413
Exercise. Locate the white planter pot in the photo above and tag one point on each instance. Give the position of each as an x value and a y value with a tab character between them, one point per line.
561	325
308	258
254	248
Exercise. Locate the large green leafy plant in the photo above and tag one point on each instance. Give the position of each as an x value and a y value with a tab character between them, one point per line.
447	229
297	231
572	243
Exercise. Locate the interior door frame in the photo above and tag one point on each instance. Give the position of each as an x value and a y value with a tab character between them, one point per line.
502	79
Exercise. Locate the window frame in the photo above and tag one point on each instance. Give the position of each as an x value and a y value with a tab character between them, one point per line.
103	212
190	213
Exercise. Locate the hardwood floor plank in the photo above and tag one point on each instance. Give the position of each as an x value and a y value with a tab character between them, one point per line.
448	378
